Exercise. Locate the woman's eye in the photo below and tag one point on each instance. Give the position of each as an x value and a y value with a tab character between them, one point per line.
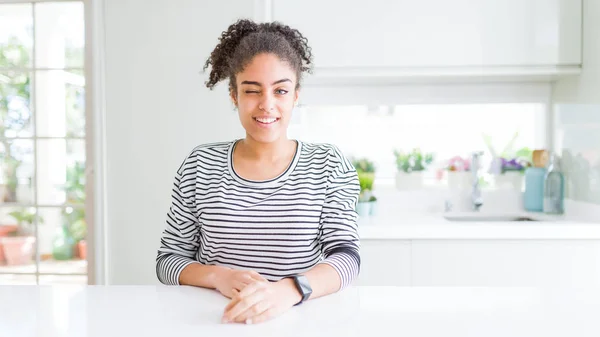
281	91
251	92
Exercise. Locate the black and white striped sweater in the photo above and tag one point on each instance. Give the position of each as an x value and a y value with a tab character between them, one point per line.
278	227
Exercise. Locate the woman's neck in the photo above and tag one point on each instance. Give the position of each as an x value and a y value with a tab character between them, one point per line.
268	152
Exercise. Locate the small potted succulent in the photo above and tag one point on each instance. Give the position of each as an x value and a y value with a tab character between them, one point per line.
366	176
410	168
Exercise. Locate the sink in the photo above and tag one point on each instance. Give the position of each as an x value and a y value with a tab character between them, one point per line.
487	217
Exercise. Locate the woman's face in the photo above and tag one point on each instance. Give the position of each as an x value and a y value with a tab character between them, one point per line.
265	97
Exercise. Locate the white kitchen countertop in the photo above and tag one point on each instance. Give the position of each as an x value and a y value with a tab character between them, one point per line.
152	311
435	227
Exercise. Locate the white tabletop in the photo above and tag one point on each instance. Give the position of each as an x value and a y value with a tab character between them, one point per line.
149	311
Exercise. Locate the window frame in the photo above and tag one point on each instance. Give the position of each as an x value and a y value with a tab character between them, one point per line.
93	138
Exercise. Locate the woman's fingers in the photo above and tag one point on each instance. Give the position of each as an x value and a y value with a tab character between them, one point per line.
257	276
242	305
262	317
248	315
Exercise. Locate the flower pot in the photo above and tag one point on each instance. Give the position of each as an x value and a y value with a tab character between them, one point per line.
4	231
458	180
372	207
82	249
409	181
18	250
510	180
363	208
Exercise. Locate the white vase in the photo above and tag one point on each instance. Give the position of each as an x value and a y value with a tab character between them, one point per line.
409	181
509	180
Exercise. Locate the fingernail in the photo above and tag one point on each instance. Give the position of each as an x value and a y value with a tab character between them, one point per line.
249	321
224	320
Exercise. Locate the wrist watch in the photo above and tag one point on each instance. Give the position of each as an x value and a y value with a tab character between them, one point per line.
303	287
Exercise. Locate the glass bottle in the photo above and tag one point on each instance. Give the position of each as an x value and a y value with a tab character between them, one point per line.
554	186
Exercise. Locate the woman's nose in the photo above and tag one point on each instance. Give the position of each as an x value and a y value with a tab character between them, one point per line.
267	103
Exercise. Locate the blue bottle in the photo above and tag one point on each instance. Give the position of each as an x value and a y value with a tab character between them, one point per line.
554	188
533	197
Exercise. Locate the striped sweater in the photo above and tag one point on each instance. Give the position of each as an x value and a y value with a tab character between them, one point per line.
278	227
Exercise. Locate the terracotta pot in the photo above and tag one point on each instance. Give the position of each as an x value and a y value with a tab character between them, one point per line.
4	231
82	249
18	250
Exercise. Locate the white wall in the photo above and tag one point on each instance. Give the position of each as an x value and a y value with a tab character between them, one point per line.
157	110
577	116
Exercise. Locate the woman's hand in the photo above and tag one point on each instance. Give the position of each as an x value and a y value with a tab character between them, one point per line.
261	301
230	281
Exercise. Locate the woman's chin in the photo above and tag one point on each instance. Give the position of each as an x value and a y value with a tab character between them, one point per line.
265	137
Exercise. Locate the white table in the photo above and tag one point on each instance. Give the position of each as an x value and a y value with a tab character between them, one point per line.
149	311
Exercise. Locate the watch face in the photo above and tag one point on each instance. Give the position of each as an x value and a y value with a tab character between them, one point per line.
305	288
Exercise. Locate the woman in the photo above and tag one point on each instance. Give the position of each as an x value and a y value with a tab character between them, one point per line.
267	221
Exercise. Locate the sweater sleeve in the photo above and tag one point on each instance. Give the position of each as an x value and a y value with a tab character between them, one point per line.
339	230
180	239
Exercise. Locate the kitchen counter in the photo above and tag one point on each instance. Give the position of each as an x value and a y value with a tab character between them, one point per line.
149	311
436	227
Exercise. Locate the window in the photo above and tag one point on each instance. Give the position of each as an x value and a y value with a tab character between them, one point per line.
42	143
444	130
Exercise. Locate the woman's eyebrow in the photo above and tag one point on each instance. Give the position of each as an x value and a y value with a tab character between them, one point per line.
259	84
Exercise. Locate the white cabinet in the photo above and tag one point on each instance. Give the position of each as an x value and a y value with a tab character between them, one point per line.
384	263
437	33
505	263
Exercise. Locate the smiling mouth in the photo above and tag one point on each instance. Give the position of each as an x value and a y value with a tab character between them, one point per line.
266	120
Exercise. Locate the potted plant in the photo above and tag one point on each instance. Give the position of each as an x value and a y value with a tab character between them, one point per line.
5	229
513	170
508	166
458	171
18	245
366	177
410	168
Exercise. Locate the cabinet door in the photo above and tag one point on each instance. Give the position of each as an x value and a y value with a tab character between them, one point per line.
437	33
384	263
505	263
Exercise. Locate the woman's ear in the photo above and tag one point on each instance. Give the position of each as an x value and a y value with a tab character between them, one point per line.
233	98
296	95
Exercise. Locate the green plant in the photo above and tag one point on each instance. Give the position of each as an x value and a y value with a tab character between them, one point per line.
75	183
363	165
365	170
74	188
413	161
25	219
15	114
366	180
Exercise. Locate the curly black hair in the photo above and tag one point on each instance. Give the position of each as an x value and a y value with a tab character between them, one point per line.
245	39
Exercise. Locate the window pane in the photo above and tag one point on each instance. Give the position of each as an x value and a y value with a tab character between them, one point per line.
445	131
16	35
17	239
61	171
15	105
59	33
16	279
59	279
62	240
60	103
16	168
